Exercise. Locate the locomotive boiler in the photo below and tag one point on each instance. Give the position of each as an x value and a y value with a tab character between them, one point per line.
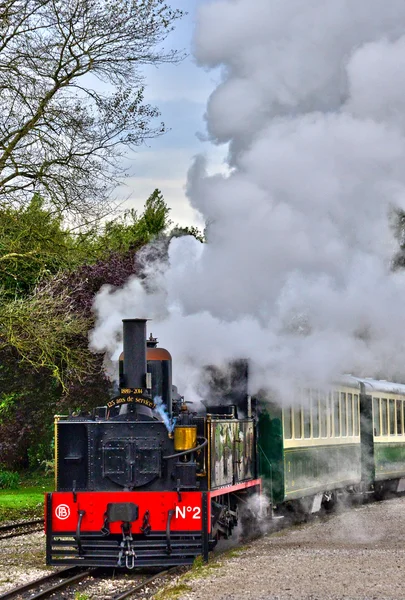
145	481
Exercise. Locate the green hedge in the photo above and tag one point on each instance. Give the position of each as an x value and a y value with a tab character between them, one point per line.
9	479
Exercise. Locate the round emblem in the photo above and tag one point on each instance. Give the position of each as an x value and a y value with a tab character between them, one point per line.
62	511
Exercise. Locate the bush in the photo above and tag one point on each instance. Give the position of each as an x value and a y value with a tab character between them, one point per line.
9	479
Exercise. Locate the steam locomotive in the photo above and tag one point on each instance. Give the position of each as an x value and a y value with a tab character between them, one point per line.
144	481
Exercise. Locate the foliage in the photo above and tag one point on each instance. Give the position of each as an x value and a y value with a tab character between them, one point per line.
33	245
173	591
48	467
48	329
179	231
7	402
9	479
131	231
30	399
46	332
60	135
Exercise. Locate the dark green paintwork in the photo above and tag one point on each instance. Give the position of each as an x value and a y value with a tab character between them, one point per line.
389	460
294	473
320	468
298	472
270	452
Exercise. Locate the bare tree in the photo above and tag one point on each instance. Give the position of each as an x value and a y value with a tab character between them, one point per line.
72	96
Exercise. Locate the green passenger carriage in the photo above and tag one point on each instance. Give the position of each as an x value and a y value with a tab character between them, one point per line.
349	436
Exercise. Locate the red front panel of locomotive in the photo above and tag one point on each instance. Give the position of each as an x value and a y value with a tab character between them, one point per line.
187	513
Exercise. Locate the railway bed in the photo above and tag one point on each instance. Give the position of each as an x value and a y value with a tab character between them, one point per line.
352	554
125	587
45	586
11	530
67	579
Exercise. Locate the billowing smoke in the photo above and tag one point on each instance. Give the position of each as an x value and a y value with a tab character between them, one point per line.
297	271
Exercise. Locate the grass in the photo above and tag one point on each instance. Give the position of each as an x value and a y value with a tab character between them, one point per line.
26	501
173	592
200	569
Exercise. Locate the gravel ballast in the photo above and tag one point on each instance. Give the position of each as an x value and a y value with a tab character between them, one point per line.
358	554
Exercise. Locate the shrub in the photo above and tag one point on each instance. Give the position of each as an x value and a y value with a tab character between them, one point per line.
9	479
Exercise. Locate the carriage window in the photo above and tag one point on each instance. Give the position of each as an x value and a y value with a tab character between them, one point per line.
376	416
315	414
403	418
384	416
336	415
392	417
399	417
287	423
356	415
297	423
307	422
350	414
324	415
343	413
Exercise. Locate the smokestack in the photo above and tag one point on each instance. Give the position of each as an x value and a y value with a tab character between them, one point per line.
134	352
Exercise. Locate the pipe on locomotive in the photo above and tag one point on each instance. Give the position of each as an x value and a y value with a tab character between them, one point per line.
134	334
135	376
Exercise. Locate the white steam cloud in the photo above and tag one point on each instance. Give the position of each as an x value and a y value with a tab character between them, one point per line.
296	273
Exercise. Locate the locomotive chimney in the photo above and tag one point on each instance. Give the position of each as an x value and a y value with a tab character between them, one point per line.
134	353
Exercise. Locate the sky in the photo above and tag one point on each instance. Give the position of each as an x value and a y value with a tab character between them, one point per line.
180	92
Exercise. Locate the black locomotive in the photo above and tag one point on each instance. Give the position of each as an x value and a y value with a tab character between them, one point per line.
144	481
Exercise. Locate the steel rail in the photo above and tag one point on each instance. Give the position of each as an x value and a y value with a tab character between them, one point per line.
60	586
10	526
22	528
127	593
28	586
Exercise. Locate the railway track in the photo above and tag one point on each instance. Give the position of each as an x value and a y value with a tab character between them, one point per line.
53	583
139	586
49	584
23	528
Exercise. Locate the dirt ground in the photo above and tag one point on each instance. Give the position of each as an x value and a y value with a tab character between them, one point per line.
358	554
